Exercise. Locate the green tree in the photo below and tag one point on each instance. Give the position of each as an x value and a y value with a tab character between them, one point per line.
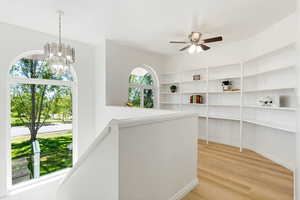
32	103
134	94
63	104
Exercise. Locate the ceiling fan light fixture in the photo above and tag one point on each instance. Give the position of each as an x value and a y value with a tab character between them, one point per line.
192	49
199	49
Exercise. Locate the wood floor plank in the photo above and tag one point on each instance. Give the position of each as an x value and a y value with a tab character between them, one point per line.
226	173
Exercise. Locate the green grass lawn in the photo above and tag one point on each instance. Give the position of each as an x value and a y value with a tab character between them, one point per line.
55	154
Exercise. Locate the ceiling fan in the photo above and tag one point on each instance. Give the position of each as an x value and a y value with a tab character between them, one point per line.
196	44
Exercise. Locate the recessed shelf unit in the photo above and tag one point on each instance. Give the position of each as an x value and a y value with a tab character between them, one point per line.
270	76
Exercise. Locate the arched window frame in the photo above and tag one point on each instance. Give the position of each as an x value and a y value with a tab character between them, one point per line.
153	87
13	81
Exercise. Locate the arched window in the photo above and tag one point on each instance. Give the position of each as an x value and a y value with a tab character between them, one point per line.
142	88
42	116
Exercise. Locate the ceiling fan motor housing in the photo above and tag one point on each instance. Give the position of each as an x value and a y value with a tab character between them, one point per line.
195	37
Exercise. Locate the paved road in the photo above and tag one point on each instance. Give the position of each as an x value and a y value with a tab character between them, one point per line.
21	130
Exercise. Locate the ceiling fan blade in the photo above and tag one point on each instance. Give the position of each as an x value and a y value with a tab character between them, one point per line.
184	48
215	39
177	42
204	47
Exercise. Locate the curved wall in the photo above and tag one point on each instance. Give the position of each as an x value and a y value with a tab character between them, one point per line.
277	145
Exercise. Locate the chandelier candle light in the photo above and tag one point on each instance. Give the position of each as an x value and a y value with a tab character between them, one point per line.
59	56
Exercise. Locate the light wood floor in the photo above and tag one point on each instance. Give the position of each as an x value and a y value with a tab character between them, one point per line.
226	174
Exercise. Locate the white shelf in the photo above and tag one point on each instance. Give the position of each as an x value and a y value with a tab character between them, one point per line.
183	82
224	92
270	108
191	93
284	67
169	103
272	125
219	117
194	81
223	117
224	78
223	105
194	104
269	89
169	83
212	92
169	93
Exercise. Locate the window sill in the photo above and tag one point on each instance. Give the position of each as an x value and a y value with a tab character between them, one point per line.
21	187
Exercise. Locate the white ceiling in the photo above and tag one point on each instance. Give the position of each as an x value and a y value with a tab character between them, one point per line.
147	24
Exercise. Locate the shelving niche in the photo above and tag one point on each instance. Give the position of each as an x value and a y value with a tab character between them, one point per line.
269	75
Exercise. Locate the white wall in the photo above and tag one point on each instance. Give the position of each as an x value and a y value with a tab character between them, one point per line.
135	158
100	85
45	191
120	61
113	64
158	158
15	41
96	174
297	188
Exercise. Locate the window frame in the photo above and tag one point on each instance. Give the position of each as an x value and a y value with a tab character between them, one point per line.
142	87
17	80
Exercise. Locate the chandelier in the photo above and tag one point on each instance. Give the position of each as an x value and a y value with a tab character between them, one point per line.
58	55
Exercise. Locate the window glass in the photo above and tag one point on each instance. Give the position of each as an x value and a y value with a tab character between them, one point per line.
134	97
148	98
33	67
141	89
140	76
40	113
41	122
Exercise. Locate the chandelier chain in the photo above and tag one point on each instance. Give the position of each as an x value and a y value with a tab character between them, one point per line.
60	13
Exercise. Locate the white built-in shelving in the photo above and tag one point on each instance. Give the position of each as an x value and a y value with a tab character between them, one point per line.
271	74
279	68
282	127
270	107
269	89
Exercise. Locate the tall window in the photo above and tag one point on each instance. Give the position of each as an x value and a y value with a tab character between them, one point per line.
41	119
141	91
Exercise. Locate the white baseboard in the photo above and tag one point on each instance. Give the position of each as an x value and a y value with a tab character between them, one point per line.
184	191
286	164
